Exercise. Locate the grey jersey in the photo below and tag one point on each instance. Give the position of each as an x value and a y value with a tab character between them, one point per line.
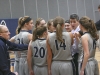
61	51
22	38
39	52
91	48
17	54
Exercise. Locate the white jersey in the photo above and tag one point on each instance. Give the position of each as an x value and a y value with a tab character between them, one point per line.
61	51
39	52
91	45
91	67
22	38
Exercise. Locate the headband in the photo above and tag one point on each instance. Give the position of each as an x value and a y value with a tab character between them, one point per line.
27	20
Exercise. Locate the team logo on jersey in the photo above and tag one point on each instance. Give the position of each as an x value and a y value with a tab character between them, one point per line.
3	22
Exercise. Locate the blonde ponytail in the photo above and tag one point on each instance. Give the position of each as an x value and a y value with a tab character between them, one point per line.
59	32
58	22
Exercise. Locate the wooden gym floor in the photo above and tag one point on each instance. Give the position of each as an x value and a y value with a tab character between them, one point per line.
97	56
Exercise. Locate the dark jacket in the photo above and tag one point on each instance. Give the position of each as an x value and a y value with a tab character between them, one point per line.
4	55
98	25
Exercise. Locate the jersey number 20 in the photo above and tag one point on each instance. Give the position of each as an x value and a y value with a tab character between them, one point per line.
39	52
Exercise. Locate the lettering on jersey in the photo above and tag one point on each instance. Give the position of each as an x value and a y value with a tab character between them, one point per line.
61	45
3	22
94	44
36	52
20	41
39	52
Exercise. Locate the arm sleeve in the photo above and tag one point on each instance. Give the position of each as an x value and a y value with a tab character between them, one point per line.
17	47
4	69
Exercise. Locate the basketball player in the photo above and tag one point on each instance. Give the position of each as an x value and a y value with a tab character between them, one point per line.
50	26
40	22
59	54
68	27
87	62
22	37
37	52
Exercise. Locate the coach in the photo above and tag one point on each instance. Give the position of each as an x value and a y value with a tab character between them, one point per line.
6	45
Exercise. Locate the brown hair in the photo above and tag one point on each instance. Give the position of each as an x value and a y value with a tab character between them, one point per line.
37	32
21	22
74	16
99	7
57	23
38	22
88	24
49	23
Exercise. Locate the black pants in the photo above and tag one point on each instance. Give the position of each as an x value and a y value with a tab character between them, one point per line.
75	59
1	73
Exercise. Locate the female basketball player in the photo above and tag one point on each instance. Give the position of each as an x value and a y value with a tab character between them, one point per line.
59	53
87	62
23	37
50	26
39	22
37	52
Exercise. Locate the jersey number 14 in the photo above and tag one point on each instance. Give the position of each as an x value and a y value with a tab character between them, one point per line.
61	45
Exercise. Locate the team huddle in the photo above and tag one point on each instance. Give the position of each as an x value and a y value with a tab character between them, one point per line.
54	51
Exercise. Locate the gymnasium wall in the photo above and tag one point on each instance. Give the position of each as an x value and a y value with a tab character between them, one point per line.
48	9
11	10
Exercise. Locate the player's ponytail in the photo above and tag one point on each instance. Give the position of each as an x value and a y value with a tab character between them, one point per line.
59	32
21	23
38	32
34	37
88	24
58	22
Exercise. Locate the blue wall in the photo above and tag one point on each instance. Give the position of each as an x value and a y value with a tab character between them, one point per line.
11	24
